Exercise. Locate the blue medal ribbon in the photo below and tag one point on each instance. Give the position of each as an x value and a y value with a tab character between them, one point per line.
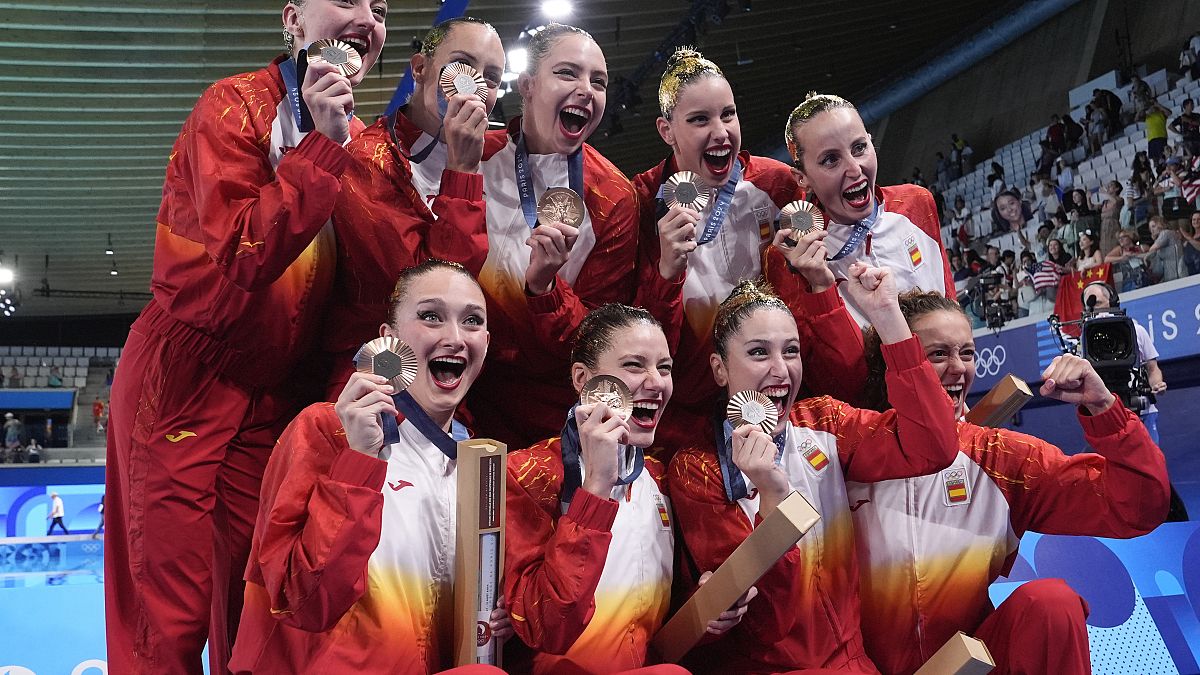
525	179
861	229
291	87
731	475
413	412
716	217
573	473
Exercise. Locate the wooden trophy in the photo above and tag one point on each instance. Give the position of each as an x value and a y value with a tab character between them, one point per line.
479	555
961	655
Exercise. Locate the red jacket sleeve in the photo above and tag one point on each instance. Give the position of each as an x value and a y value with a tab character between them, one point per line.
319	521
552	563
252	221
832	342
713	527
609	273
917	437
663	298
379	197
1121	490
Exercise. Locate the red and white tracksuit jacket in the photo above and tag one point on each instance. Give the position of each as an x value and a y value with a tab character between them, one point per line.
930	546
524	389
243	262
353	557
393	214
588	588
687	305
807	613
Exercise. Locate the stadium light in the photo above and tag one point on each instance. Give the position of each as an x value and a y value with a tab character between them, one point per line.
556	10
518	59
6	275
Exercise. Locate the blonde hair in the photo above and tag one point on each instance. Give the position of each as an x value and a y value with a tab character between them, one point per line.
542	41
684	66
812	105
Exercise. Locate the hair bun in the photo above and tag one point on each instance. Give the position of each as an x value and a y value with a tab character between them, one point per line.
682	54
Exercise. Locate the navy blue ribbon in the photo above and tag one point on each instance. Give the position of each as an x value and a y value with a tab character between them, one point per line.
413	412
573	473
525	179
731	475
861	229
716	217
291	88
397	146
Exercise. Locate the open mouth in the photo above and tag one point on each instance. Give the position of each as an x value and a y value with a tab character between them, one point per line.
955	392
447	371
858	196
573	120
360	43
718	160
645	414
779	396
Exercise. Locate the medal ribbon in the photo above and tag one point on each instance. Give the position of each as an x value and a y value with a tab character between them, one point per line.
292	88
716	217
420	156
861	229
573	473
413	412
731	475
525	179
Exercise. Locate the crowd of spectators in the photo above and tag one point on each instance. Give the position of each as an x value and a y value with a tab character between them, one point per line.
1145	227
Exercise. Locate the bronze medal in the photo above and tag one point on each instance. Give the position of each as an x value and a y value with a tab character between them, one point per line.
561	205
610	391
685	189
752	407
388	357
801	217
459	78
336	53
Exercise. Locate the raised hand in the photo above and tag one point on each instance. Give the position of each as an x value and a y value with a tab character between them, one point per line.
330	100
550	247
873	290
600	432
462	129
1071	379
364	398
754	453
676	239
807	256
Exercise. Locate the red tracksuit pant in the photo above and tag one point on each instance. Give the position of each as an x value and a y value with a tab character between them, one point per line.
1041	628
186	454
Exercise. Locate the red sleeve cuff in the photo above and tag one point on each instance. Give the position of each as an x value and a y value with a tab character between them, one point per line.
592	512
904	355
825	302
461	185
1107	423
323	152
354	468
547	303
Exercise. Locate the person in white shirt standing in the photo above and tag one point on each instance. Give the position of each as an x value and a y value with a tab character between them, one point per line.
56	514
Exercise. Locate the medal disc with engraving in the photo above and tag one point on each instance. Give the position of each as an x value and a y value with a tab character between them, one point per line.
561	205
388	357
802	217
336	53
610	391
459	78
752	407
685	189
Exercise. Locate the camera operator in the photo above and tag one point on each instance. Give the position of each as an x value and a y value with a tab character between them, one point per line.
1099	296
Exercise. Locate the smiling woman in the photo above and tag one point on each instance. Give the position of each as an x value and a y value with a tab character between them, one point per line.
541	275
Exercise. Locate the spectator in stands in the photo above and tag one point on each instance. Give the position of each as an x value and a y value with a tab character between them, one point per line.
33	452
1073	131
1126	259
1064	174
1165	255
54	379
1169	189
1023	281
942	171
1110	103
958	270
12	435
1155	117
975	265
917	177
1137	199
1089	251
1064	231
1098	128
1140	97
995	180
1191	254
1110	214
1187	125
992	261
1057	253
1056	135
98	415
1077	203
56	514
14	378
1040	246
1187	62
1045	199
960	220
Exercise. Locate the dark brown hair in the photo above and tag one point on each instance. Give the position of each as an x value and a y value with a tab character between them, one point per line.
400	290
748	296
914	304
595	332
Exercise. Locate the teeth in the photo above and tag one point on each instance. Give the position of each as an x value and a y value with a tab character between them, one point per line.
648	405
775	392
719	153
451	360
356	42
576	110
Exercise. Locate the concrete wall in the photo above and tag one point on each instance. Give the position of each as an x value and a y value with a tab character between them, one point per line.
1015	90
